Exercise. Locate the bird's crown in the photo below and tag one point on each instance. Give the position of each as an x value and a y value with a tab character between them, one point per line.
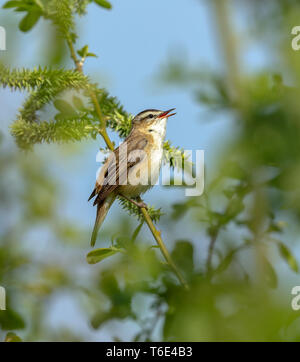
151	114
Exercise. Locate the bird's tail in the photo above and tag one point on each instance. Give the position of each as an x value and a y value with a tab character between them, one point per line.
102	210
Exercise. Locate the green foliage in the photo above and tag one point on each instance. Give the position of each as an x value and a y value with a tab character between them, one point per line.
60	12
29	20
12	337
30	281
33	9
132	209
288	257
210	313
103	3
80	6
97	255
26	79
269	273
116	117
183	256
174	156
138	268
251	191
45	86
84	52
11	320
65	130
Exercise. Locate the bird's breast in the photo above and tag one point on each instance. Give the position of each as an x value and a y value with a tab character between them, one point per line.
145	173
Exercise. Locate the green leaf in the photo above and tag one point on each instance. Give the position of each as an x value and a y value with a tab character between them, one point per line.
39	4
12	4
137	230
103	3
23	8
10	319
224	264
29	20
288	256
64	107
179	210
95	256
78	103
12	337
182	255
100	317
83	51
270	274
92	55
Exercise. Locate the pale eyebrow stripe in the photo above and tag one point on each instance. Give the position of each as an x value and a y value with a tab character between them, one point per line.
148	113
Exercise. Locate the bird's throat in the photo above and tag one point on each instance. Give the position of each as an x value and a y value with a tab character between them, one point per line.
158	129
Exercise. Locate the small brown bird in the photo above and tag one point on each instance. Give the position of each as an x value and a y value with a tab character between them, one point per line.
133	167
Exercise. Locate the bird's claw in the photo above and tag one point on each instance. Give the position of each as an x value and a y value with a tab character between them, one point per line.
142	205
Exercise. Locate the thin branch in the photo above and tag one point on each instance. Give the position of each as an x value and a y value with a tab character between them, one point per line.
222	16
102	131
157	236
211	251
79	67
228	41
78	64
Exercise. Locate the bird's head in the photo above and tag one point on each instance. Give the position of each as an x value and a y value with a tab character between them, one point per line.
152	120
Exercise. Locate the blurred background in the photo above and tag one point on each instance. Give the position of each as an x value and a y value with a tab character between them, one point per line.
231	72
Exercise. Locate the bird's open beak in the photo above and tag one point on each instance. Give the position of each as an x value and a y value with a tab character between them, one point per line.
166	114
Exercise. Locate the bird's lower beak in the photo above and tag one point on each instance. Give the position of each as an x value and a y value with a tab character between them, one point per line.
167	114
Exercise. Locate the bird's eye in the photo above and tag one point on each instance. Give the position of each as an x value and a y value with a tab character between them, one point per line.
150	116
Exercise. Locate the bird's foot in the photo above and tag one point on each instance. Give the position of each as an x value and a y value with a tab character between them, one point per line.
142	205
139	204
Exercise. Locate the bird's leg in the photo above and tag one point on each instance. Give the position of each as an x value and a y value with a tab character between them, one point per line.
139	204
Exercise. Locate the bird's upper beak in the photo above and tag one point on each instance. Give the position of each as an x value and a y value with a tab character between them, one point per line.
167	114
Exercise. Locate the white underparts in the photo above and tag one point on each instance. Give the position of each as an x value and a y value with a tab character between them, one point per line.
145	173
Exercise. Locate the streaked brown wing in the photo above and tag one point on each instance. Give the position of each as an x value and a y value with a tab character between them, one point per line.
115	170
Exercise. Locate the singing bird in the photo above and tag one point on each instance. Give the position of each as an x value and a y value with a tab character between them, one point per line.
133	167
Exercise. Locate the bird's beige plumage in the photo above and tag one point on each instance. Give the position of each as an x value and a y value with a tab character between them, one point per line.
139	155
